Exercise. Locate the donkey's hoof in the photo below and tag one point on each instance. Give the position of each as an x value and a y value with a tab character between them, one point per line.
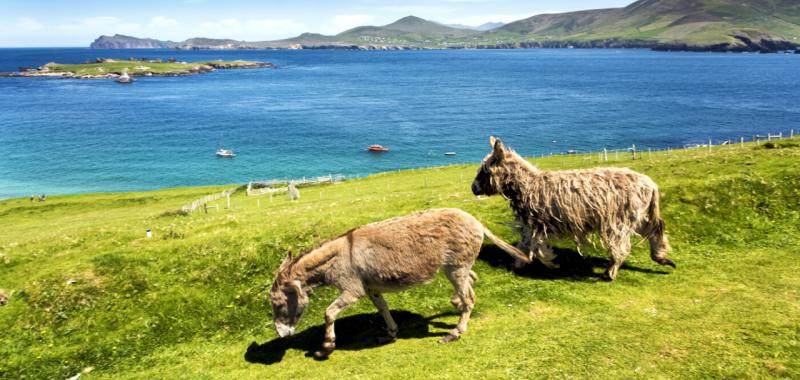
322	354
449	338
386	339
667	262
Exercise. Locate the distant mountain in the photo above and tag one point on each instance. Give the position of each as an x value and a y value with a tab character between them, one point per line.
119	41
717	25
409	31
480	28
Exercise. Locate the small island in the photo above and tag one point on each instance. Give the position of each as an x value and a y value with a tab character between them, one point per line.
105	68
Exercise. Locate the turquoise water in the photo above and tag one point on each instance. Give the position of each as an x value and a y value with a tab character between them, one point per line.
318	111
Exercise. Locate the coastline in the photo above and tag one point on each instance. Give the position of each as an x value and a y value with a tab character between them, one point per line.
108	68
749	46
562	160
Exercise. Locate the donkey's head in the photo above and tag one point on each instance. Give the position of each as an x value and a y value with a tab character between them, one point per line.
288	299
485	182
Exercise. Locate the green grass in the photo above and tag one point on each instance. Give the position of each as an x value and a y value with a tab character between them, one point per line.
118	66
191	302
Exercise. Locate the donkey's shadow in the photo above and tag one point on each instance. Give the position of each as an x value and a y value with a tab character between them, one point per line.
572	265
355	332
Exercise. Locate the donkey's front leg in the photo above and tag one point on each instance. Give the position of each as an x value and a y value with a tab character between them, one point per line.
383	308
345	299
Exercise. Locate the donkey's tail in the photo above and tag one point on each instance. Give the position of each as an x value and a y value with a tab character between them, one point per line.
508	248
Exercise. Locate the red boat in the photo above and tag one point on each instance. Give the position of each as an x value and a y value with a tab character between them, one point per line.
377	148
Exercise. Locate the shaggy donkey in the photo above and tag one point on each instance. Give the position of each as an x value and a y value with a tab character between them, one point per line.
612	202
387	256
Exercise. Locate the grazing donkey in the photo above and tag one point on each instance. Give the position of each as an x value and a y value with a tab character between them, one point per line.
387	256
612	202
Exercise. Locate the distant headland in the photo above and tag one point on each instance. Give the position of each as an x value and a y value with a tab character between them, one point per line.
679	25
113	68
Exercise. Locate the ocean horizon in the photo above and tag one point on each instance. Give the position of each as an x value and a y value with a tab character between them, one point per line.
318	111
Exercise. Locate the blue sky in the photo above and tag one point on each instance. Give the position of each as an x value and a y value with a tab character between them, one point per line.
77	23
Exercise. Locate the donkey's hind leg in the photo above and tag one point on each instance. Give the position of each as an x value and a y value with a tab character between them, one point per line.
383	308
462	279
456	299
620	250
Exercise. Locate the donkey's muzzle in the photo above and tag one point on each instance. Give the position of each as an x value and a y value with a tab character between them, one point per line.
284	330
476	189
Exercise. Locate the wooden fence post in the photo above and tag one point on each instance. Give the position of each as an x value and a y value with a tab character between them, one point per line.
228	197
633	151
605	154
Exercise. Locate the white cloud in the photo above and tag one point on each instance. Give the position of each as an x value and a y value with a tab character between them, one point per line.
98	21
416	10
482	19
161	22
251	29
340	23
28	24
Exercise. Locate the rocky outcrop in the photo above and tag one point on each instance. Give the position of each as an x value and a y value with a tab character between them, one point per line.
762	45
138	71
746	44
240	65
119	41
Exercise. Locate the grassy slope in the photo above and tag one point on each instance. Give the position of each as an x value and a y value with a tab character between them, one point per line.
408	31
688	21
133	66
190	303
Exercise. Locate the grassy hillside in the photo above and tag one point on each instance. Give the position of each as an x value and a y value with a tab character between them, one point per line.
87	289
721	25
695	22
141	67
408	31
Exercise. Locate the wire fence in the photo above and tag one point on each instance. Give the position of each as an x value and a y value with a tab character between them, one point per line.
571	158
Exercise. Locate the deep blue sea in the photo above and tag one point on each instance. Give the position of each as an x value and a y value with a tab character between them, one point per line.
318	111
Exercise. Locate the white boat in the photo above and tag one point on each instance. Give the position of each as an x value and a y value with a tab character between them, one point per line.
449	153
125	78
222	152
225	153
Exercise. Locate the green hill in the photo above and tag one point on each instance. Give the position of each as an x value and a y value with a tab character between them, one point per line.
88	289
408	31
720	25
702	23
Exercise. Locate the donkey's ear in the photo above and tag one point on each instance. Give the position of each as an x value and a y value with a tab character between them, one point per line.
492	140
289	256
498	149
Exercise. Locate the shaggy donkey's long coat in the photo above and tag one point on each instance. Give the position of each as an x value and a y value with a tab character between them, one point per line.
386	256
612	202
